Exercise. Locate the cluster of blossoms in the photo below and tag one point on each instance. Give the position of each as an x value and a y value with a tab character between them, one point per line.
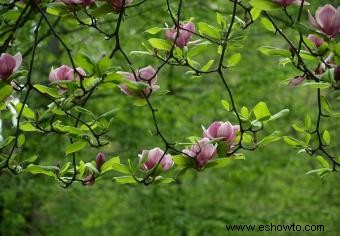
146	77
205	149
327	21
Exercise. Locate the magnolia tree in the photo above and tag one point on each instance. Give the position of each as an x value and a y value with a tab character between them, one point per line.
313	51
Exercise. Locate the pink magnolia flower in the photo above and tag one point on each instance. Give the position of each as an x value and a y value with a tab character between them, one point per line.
202	151
184	35
286	3
327	20
146	75
150	158
119	4
316	40
224	130
9	64
65	73
297	80
100	159
78	2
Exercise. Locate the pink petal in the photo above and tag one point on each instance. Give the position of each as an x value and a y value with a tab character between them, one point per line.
324	16
18	61
212	130
312	20
148	74
225	130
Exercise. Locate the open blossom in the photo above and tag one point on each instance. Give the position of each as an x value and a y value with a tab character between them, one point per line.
9	64
327	20
316	40
78	2
224	130
64	73
118	4
150	158
184	34
100	159
146	75
202	151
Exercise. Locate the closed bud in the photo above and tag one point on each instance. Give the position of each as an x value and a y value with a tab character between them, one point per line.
100	159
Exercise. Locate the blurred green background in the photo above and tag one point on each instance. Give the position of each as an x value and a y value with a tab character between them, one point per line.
270	186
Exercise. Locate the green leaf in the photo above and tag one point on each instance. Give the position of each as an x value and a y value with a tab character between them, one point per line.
225	104
273	137
280	114
320	172
27	127
56	9
108	165
162	180
273	51
184	161
68	129
26	112
298	128
121	168
160	44
265	5
21	140
53	92
84	62
153	30
31	159
234	59
207	66
5	90
323	161
293	142
209	30
267	24
218	163
197	50
75	147
255	13
125	180
326	137
325	104
104	64
220	19
7	142
245	113
320	85
247	138
222	149
45	170
261	111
